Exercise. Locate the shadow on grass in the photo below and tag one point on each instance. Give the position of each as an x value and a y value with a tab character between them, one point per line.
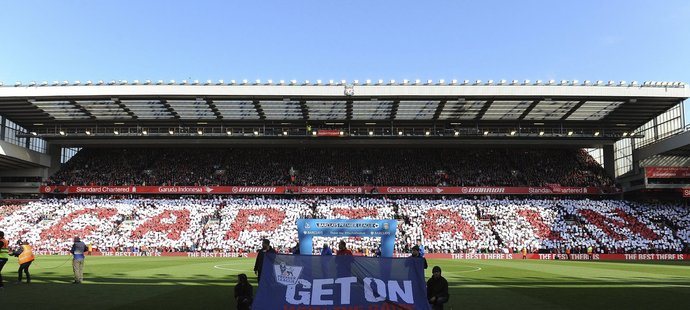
569	298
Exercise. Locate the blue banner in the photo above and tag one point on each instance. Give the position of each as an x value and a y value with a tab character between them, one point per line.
293	282
384	229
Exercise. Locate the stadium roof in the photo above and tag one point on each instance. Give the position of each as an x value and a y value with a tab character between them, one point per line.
570	105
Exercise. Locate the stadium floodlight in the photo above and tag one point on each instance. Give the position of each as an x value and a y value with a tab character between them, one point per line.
587	82
160	82
355	82
380	82
208	82
44	83
76	83
625	134
318	82
196	82
285	133
429	82
306	82
600	82
147	82
490	82
515	82
570	133
200	132
400	133
502	82
32	83
184	82
541	133
135	82
486	133
257	82
417	82
457	133
551	82
65	83
33	133
171	82
596	133
575	82
405	82
441	82
526	82
87	132
228	132
512	133
478	82
610	83
62	132
331	82
123	82
244	82
88	82
342	133
314	133
116	132
453	82
269	82
293	82
564	82
171	132
144	132
391	82
220	82
281	82
55	83
538	82
622	83
427	133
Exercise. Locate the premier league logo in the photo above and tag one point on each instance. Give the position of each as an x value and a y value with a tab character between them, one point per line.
287	275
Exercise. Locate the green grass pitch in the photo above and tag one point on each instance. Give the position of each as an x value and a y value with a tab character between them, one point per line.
207	283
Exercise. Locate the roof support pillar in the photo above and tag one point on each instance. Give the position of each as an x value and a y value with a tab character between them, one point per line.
609	160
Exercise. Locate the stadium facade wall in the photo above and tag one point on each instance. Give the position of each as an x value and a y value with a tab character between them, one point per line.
326	190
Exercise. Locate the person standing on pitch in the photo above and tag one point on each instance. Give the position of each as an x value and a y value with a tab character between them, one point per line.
437	289
78	250
26	256
265	248
421	247
4	253
243	292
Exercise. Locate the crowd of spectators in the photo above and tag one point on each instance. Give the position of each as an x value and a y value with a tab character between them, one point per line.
332	167
443	225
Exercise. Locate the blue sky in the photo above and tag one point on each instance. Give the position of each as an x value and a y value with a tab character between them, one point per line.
536	40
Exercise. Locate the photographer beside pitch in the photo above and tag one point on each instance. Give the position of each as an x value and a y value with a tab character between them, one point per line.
78	250
4	254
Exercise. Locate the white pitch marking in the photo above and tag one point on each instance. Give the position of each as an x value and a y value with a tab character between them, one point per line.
463	271
223	268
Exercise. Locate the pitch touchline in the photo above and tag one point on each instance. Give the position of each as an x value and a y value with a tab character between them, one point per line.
231	269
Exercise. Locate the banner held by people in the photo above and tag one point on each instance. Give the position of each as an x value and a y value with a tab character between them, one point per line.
332	282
